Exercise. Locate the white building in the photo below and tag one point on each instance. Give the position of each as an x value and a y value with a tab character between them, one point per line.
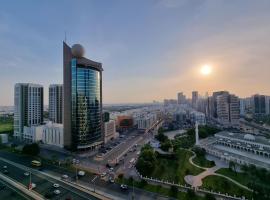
4	138
239	148
198	117
110	131
52	134
228	109
56	103
28	107
146	121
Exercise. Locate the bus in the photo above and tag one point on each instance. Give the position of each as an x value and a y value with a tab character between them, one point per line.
36	163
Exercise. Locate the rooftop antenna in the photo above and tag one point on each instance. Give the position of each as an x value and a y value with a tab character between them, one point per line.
65	37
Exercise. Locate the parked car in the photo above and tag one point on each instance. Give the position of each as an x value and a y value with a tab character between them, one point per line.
124	187
81	173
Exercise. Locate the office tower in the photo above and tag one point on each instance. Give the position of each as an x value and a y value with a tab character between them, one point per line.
214	102
28	107
181	99
82	122
194	100
228	109
260	105
242	107
56	103
106	116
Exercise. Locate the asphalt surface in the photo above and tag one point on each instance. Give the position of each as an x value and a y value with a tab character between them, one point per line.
8	192
44	184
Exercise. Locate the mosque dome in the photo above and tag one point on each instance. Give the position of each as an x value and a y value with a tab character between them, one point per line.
249	137
77	50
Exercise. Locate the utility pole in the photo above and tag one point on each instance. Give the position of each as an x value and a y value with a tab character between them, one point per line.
30	181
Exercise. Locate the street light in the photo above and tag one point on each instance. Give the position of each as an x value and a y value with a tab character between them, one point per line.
76	162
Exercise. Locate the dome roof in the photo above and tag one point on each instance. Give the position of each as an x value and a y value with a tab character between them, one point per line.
249	137
77	50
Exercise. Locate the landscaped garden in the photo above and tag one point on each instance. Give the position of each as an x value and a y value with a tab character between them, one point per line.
255	178
166	191
220	184
200	158
173	167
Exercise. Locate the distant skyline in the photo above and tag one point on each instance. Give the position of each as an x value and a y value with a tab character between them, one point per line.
150	50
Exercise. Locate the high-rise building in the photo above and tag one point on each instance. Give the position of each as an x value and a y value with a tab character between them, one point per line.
214	102
194	99
228	109
181	98
83	128
259	105
28	107
56	103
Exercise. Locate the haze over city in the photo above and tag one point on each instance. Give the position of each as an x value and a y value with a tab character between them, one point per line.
149	49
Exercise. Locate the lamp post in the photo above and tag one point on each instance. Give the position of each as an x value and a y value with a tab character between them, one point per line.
76	162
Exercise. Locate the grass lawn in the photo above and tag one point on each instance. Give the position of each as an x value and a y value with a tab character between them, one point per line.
6	124
6	127
174	170
157	189
239	177
203	162
222	185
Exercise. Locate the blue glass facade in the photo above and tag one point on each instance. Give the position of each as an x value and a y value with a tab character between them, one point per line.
86	105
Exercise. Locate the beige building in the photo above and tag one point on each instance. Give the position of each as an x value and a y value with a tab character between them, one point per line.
110	131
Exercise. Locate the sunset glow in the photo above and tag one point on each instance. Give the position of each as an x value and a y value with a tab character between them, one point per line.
206	70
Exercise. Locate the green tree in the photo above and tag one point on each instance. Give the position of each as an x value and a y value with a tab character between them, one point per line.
166	145
31	149
174	191
209	197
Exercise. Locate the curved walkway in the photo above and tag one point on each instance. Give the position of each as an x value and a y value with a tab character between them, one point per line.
196	181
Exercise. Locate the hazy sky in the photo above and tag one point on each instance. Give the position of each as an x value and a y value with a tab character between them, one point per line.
150	49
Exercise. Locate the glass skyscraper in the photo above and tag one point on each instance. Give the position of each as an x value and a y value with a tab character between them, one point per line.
82	100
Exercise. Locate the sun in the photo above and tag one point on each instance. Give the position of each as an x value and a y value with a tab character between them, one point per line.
206	70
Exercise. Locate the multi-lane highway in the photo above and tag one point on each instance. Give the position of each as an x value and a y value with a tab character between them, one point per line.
43	183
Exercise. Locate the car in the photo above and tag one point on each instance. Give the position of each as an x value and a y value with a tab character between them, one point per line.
26	173
111	169
124	187
111	180
56	185
33	185
57	192
4	167
81	173
64	176
103	174
5	171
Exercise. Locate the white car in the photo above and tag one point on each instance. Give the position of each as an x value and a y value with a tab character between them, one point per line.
103	174
57	191
26	173
111	169
56	185
5	167
81	173
124	187
33	185
64	176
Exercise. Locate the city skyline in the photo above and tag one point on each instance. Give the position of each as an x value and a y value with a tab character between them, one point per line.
178	36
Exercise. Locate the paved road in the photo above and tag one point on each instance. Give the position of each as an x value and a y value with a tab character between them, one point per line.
100	185
44	184
8	192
